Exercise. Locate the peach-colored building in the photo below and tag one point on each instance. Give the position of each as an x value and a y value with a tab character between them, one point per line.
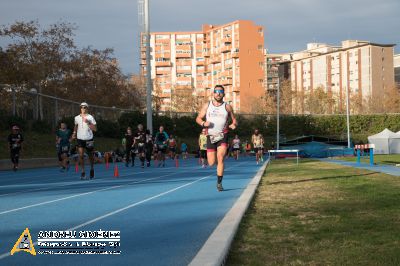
231	55
365	68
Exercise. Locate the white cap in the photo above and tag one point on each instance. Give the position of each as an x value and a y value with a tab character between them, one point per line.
84	104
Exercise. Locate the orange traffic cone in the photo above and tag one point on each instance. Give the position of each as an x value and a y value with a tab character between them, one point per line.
76	167
116	172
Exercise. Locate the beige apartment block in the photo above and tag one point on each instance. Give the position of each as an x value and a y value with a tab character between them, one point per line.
272	71
364	68
231	55
396	63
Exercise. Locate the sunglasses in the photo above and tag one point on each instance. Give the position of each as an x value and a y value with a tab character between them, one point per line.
83	107
219	91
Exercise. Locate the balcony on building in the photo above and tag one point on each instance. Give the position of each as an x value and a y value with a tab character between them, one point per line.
163	63
180	70
200	62
235	54
227	39
183	54
216	59
163	71
226	81
226	48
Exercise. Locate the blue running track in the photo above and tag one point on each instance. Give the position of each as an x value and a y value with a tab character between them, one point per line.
164	215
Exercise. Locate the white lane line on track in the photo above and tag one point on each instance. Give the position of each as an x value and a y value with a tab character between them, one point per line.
4	255
61	185
82	194
102	178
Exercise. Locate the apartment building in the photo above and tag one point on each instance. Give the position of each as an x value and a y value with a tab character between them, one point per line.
396	63
362	67
231	55
272	71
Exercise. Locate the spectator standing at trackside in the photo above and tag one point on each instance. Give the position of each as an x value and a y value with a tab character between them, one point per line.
258	145
63	144
203	147
184	150
15	140
161	140
85	125
140	143
149	147
216	114
129	141
172	146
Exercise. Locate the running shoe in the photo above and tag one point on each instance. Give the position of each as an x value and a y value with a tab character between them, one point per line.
91	173
219	187
83	176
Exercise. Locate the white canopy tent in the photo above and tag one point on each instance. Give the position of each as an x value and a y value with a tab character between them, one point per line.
386	142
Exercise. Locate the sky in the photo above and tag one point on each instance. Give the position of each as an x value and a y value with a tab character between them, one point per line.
288	24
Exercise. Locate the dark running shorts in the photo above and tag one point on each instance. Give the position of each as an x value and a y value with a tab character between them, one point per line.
214	146
87	144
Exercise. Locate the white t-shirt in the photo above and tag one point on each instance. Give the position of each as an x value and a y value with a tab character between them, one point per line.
84	132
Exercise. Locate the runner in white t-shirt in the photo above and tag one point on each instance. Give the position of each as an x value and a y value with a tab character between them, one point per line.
216	113
236	147
85	125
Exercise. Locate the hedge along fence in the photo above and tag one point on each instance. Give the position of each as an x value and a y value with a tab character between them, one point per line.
290	125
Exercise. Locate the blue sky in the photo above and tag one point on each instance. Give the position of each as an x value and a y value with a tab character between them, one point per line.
289	24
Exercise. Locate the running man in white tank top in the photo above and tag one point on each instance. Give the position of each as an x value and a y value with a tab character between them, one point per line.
217	113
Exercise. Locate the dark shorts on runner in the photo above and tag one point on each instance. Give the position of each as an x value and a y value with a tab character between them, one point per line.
257	149
62	150
87	144
172	149
162	148
141	147
214	146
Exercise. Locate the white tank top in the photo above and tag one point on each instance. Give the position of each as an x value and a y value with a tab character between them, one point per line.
218	116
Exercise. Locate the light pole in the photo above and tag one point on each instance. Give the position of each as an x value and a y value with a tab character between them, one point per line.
13	100
277	113
34	91
348	117
148	67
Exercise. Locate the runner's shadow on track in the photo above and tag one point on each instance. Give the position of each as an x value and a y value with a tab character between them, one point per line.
231	189
318	179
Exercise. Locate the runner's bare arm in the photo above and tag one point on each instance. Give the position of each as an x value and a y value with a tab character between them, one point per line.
201	115
74	133
233	125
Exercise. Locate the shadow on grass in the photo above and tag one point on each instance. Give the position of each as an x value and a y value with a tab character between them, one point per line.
318	179
391	162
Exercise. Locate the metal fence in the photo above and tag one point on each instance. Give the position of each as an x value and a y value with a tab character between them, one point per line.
32	105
